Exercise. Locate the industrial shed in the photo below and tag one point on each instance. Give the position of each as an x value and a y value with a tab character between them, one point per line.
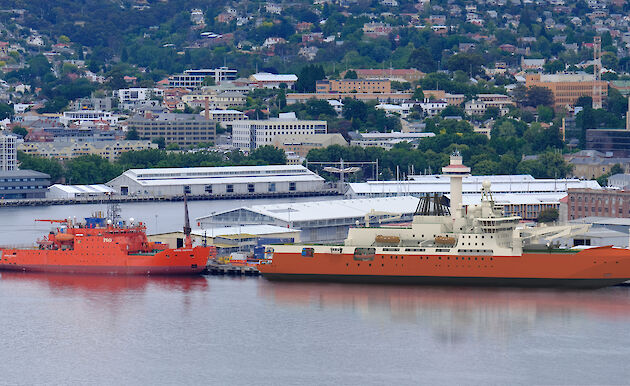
78	191
237	181
319	220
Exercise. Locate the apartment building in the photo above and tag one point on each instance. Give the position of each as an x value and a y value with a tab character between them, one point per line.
220	100
110	150
250	134
195	78
567	88
364	86
182	129
136	94
393	74
598	202
8	152
301	144
88	115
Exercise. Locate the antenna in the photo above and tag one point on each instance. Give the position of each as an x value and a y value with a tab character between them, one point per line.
188	241
597	66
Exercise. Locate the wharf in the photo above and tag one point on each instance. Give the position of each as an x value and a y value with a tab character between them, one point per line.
148	198
214	268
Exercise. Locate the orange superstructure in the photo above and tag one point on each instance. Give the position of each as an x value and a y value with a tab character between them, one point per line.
476	245
100	246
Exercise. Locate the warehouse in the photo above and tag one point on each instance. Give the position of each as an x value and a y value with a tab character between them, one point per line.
319	220
78	191
220	182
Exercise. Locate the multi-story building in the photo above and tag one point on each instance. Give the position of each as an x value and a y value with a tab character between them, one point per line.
567	88
450	99
137	94
402	74
598	202
369	86
221	100
110	150
88	115
432	108
267	80
301	144
392	97
23	184
591	164
195	78
182	129
8	152
387	140
251	134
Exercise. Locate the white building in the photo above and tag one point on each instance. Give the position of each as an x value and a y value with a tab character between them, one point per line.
237	181
224	115
88	115
388	140
319	220
251	134
136	94
432	108
195	78
78	191
8	152
267	80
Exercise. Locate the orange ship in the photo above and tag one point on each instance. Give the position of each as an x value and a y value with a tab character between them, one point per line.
106	247
452	245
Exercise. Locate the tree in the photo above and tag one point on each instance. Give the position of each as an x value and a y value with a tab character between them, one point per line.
160	141
537	96
132	134
422	59
6	111
269	155
545	114
309	75
418	94
548	215
19	130
208	80
351	74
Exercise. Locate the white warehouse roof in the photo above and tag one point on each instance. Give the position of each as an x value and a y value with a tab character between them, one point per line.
82	189
471	185
333	209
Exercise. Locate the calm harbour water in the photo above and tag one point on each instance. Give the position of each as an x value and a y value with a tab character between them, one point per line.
69	329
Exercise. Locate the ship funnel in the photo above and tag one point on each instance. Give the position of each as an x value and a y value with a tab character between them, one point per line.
187	240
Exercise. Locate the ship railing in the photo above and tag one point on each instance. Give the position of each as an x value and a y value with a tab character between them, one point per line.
19	246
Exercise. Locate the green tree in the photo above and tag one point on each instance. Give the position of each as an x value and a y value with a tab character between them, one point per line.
351	74
19	130
545	113
6	111
309	75
208	81
537	96
160	141
52	167
418	94
269	155
132	134
548	215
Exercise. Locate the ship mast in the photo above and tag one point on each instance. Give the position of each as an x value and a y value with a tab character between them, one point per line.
187	240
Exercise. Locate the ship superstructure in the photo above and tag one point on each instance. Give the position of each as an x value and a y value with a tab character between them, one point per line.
453	244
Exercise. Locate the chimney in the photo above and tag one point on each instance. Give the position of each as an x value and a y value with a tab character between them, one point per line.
207	109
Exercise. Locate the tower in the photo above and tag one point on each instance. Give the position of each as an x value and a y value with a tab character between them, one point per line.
456	171
597	71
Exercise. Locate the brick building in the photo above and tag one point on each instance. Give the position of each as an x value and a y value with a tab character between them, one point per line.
354	85
598	202
567	88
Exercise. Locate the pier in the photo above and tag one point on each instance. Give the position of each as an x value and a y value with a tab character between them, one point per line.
151	198
214	268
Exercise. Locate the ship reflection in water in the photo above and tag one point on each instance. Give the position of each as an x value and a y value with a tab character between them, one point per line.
452	313
106	284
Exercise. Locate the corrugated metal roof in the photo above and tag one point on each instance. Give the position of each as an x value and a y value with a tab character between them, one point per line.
334	209
231	180
82	189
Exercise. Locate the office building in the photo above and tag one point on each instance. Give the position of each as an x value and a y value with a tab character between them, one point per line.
8	152
182	129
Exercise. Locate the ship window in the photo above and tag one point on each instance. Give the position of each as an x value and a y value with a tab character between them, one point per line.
308	252
364	254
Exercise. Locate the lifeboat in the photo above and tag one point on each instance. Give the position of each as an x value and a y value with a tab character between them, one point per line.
387	239
445	240
64	237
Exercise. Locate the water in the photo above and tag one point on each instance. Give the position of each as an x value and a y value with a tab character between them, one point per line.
65	329
68	329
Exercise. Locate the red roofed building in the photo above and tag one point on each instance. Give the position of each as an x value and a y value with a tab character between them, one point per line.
404	74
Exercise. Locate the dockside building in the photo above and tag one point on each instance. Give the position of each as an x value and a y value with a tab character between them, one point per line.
228	181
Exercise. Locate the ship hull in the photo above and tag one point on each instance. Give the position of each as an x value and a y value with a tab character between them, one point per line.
449	281
107	270
591	268
186	261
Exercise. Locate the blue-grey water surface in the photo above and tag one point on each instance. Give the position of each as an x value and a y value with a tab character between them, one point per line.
77	330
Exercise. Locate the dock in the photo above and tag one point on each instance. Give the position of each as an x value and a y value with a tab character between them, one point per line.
214	268
150	198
